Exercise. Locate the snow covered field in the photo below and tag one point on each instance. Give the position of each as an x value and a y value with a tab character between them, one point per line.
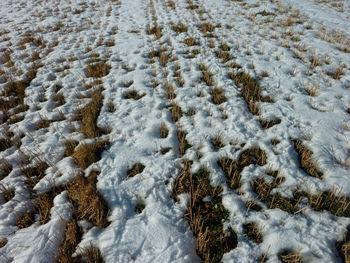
174	131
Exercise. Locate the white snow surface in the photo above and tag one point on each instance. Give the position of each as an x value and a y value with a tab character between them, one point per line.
160	233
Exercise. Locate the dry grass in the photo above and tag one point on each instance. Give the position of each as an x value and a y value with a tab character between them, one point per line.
312	89
305	159
155	30
97	70
183	143
43	123
89	254
139	206
5	144
25	220
60	100
69	147
331	201
88	203
5	168
179	28
232	168
205	217
218	95
44	203
253	232
263	190
343	246
3	242
171	4
163	130
133	94
268	124
164	58
136	169
250	89
288	256
35	173
71	240
218	141
170	91
89	114
110	106
207	75
190	41
89	153
176	112
206	27
337	73
224	56
6	193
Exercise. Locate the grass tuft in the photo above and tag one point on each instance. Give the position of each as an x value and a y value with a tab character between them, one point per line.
218	95
253	232
179	28
89	114
133	94
71	240
88	203
232	168
205	214
136	169
97	70
288	256
5	168
139	206
163	130
305	159
268	124
89	153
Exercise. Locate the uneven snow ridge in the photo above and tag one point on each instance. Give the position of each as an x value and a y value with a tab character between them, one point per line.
174	131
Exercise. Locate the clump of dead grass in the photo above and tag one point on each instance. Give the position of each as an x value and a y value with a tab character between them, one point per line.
155	30
87	201
288	256
163	130
69	147
253	232
133	94
207	75
218	141
5	168
205	216
250	89
305	159
179	28
72	238
89	153
176	112
183	143
136	169
89	114
343	246
35	173
140	205
170	91
218	95
98	69
190	41
206	27
232	168
6	193
266	124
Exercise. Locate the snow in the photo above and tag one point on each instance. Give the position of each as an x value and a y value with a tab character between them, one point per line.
160	233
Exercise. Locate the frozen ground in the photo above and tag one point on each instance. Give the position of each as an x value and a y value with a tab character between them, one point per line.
298	50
